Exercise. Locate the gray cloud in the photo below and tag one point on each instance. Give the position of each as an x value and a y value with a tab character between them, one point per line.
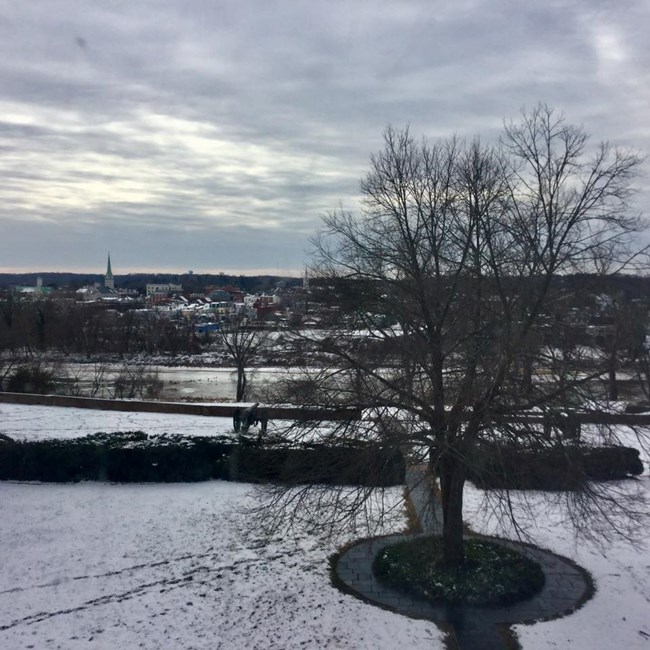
178	134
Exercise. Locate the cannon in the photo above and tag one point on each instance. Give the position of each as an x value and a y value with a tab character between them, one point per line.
251	416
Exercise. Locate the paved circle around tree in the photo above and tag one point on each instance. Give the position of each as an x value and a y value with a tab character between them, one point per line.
566	587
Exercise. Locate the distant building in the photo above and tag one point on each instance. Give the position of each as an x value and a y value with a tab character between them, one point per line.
165	288
96	292
220	295
109	282
37	291
161	294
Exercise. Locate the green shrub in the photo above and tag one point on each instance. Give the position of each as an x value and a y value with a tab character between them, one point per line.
130	456
371	465
565	467
51	460
492	574
133	456
611	463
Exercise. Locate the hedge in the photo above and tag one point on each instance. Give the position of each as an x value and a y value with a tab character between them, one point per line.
564	467
370	465
136	457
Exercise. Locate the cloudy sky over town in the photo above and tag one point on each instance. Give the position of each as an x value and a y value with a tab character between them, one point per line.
212	134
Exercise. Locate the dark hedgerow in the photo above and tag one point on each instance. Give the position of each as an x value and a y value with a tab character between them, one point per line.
492	574
134	456
518	467
127	456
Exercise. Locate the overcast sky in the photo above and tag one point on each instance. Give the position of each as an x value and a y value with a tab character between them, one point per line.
211	135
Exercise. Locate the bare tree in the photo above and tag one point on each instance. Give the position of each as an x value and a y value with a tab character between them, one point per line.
134	382
624	339
447	283
243	343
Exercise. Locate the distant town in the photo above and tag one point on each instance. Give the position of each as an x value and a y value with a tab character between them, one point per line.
171	315
208	300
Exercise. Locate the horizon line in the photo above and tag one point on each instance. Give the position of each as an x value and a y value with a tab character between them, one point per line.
283	273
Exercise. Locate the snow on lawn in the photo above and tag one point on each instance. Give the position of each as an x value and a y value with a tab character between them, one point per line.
618	615
30	422
26	422
180	566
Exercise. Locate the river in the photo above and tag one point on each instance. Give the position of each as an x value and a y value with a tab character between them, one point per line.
178	383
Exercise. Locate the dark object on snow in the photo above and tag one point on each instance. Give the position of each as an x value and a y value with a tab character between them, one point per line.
135	457
263	418
568	425
612	463
252	417
249	417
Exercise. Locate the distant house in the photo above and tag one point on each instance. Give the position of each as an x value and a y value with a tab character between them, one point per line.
165	288
97	292
220	295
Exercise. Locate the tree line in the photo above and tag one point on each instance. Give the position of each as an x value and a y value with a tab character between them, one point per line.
74	327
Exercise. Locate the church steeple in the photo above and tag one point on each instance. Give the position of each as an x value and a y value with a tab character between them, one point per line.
108	278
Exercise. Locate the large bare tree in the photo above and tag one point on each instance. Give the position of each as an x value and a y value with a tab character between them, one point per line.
446	284
243	343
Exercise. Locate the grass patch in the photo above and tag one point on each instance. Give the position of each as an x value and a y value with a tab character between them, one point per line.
491	574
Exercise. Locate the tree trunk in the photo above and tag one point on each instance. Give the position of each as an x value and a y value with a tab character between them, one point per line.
241	384
612	384
527	375
452	481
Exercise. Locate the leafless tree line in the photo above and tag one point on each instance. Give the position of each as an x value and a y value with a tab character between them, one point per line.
68	326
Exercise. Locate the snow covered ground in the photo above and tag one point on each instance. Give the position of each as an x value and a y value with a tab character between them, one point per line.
619	614
174	567
183	566
27	422
23	422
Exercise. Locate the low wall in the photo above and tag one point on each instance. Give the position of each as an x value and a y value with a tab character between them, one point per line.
213	410
281	412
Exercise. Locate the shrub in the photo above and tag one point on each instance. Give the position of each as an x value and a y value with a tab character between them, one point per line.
371	466
611	463
565	467
137	382
51	460
31	379
123	456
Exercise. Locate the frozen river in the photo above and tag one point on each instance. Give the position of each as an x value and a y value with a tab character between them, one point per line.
183	383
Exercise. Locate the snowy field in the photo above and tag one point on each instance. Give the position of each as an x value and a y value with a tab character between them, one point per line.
29	422
182	566
175	567
23	422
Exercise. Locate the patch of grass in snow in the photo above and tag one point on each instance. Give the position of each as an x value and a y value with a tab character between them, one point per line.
491	574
